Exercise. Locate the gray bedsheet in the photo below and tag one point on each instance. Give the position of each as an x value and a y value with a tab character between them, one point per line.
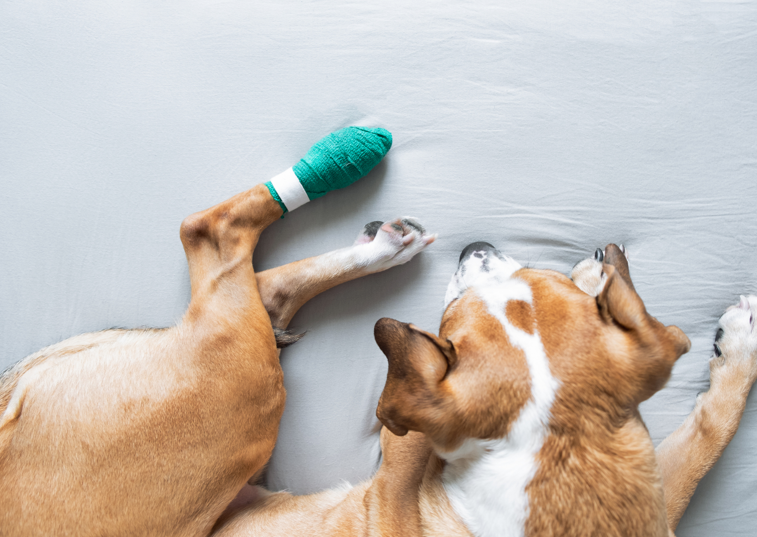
545	127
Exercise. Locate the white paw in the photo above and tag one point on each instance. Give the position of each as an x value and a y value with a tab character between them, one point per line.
736	341
588	274
382	246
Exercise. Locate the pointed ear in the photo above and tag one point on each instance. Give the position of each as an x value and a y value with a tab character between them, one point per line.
418	362
619	302
614	256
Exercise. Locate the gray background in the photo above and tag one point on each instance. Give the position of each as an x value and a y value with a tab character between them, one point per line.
547	128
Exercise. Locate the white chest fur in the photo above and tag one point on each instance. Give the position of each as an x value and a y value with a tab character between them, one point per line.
486	480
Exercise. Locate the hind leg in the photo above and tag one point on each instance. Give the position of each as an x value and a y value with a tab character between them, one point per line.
218	243
688	454
379	246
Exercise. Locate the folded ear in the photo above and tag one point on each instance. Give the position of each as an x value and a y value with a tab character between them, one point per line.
618	302
680	340
418	362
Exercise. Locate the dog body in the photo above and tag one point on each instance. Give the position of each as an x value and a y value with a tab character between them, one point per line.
519	418
155	432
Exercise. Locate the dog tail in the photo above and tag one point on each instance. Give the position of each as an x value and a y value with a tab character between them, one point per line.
284	338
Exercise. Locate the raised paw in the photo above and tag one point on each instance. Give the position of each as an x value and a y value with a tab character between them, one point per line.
735	346
588	274
388	244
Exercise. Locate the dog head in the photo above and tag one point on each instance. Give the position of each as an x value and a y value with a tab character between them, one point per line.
521	347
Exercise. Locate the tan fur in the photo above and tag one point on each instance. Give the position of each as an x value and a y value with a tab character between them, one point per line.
597	472
155	432
405	497
691	450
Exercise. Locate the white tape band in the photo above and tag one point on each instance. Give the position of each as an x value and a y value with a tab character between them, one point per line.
290	190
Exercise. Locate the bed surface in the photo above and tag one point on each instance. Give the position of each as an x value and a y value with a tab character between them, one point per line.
545	128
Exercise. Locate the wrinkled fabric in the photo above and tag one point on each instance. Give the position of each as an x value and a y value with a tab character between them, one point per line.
547	128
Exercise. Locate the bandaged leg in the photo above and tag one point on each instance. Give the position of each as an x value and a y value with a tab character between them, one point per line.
334	162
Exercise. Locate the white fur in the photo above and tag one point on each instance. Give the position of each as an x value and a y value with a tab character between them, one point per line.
589	276
739	340
486	480
470	273
389	248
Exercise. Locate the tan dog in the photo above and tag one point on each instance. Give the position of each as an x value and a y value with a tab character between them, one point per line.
521	417
523	411
154	432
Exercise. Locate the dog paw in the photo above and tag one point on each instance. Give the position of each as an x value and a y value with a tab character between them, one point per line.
735	346
588	274
368	233
388	244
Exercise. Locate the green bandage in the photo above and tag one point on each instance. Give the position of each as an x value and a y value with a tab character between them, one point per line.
334	162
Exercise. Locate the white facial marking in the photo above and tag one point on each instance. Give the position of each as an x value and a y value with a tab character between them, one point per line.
481	268
486	480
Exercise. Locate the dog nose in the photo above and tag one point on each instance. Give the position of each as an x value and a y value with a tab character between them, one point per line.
474	248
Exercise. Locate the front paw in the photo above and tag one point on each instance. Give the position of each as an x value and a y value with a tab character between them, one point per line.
392	243
588	274
734	351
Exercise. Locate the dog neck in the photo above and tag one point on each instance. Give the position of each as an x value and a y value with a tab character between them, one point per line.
486	480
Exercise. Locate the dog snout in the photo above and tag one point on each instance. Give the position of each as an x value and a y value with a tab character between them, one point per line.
480	248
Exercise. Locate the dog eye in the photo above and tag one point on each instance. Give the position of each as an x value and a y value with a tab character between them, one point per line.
718	352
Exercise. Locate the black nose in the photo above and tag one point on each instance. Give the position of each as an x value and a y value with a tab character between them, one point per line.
476	247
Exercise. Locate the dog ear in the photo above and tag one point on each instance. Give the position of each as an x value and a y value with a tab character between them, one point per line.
614	256
618	302
680	340
418	363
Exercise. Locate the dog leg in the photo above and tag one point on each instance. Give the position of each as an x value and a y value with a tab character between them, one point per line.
219	241
284	290
688	454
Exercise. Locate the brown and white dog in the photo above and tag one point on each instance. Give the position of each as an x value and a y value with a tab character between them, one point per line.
520	418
